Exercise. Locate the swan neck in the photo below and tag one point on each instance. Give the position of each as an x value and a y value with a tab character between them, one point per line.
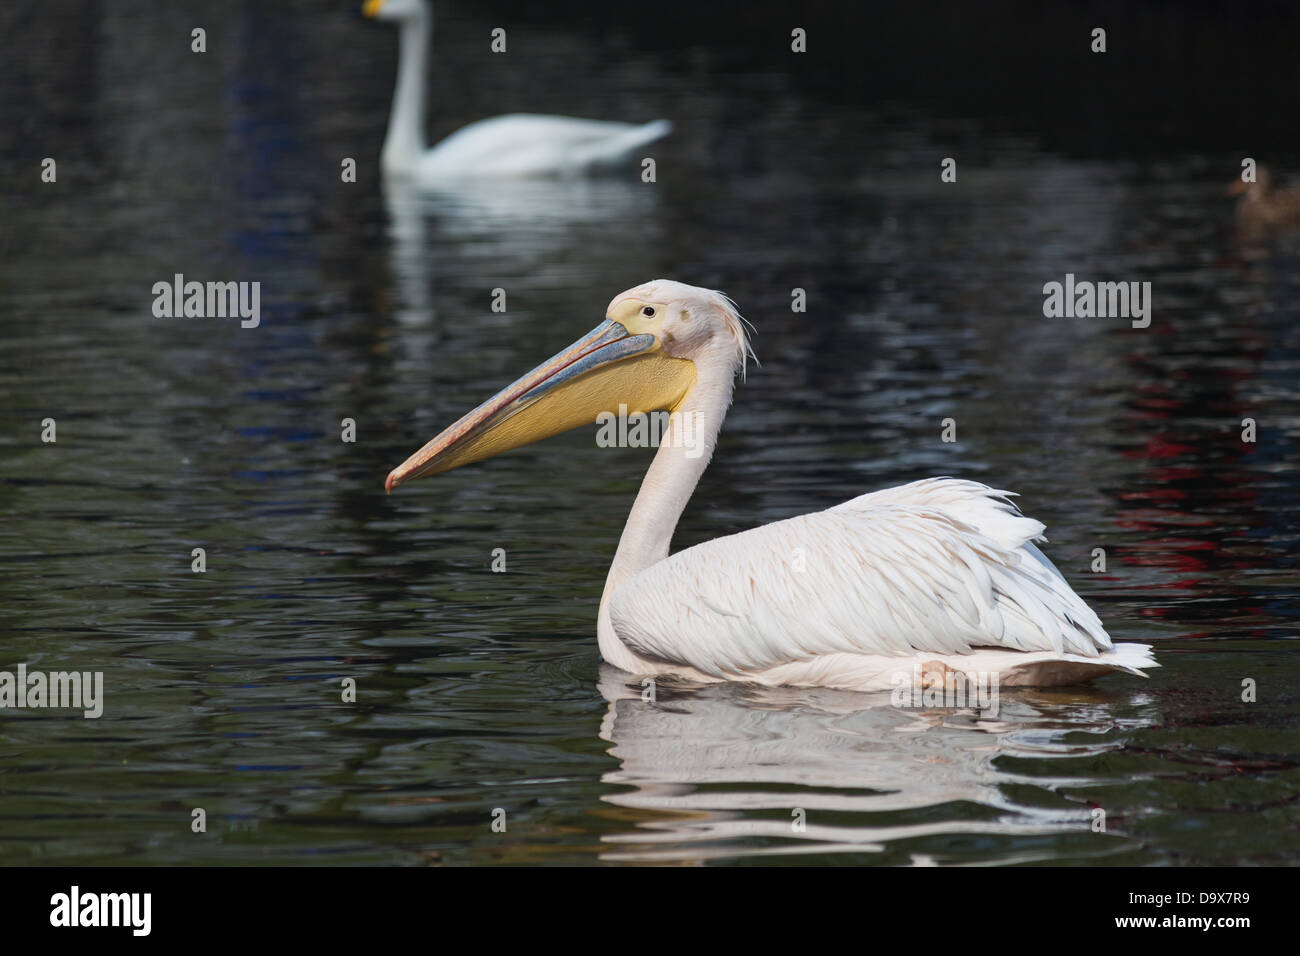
405	140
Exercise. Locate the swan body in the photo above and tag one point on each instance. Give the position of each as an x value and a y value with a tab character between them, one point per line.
524	145
941	574
516	146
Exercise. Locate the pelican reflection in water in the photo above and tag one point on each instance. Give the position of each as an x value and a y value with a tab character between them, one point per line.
732	771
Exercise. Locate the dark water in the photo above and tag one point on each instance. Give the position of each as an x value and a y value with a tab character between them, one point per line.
479	691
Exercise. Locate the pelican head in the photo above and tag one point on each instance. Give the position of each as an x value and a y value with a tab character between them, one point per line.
646	356
394	10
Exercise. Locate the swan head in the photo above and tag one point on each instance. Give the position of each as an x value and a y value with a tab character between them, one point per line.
395	11
646	356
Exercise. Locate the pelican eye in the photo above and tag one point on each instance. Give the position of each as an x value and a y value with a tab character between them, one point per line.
648	311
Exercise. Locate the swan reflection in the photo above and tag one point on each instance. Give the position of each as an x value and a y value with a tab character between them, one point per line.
532	232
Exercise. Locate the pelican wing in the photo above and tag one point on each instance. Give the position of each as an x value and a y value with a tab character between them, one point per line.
939	566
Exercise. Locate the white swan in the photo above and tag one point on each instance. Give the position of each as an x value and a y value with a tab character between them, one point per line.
515	146
940	574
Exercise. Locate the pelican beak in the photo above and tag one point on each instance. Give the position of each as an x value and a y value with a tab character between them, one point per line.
609	366
371	8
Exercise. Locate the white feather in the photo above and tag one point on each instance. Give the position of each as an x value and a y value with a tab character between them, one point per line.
940	569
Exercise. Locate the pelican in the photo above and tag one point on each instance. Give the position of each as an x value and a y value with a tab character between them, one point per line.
940	573
515	146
